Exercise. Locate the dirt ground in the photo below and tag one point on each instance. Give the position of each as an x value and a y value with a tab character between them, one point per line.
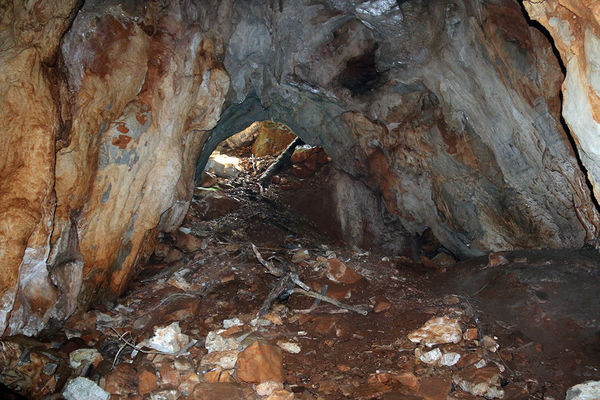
530	320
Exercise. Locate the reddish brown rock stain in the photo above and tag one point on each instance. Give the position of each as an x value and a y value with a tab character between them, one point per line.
141	118
121	141
122	128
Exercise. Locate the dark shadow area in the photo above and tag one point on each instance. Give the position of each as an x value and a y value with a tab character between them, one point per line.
360	75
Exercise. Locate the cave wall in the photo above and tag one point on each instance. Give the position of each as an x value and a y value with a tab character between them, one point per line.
575	28
449	110
441	114
103	131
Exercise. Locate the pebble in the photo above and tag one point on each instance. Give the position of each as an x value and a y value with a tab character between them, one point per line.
290	347
268	387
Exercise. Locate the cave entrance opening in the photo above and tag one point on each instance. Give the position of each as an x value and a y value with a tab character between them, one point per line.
265	183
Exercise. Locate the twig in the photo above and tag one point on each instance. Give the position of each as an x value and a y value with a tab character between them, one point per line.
138	348
268	265
315	303
288	279
282	162
331	300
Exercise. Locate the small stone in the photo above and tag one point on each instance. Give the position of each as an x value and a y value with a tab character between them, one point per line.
490	344
148	381
84	389
429	357
281	395
343	367
260	362
371	390
228	323
225	359
497	259
50	368
290	347
480	364
471	334
382	306
122	380
168	339
87	356
274	318
436	331
337	271
407	379
268	387
300	255
218	375
589	390
480	381
215	342
449	359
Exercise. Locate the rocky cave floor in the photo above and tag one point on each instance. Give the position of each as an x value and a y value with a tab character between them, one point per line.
517	325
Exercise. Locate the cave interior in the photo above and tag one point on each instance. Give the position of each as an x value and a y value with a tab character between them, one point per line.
300	199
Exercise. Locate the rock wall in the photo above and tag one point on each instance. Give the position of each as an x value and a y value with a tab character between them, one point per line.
449	110
575	28
104	133
445	112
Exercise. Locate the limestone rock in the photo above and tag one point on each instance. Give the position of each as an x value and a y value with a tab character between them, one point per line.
483	381
438	330
168	339
84	389
290	347
272	139
223	166
584	391
573	26
337	271
260	362
266	388
89	357
225	359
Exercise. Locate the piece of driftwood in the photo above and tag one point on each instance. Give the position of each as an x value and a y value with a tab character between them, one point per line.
286	286
282	162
